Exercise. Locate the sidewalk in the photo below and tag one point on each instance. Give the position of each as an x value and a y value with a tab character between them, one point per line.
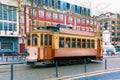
88	74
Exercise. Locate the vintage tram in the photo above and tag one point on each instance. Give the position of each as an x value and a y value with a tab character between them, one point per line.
66	45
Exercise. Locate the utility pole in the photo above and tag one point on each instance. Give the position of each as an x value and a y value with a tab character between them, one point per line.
32	13
19	16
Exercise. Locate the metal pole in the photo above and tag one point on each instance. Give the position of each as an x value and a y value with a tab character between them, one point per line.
84	65
32	14
105	64
11	71
56	68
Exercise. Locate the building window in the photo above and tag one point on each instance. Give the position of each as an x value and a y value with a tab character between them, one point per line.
87	29
78	20
67	6
7	45
95	23
83	29
5	26
41	14
1	10
41	24
10	14
14	14
55	16
14	27
70	18
91	21
83	21
1	25
48	15
61	17
5	12
87	21
10	26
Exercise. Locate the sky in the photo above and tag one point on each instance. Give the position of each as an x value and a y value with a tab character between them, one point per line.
99	6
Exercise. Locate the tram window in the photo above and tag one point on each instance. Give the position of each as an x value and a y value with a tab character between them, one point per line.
41	39
83	43
61	42
78	43
73	43
34	39
93	43
50	40
98	43
88	43
67	43
46	39
28	41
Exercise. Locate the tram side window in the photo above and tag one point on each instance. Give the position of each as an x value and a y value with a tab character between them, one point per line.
93	43
67	43
28	41
41	39
83	43
50	40
78	43
73	43
61	42
88	43
34	39
46	39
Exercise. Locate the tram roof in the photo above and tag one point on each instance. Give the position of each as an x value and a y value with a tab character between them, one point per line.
66	31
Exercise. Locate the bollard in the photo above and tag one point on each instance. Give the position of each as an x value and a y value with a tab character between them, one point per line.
13	57
105	64
3	56
85	65
6	58
19	58
56	62
11	71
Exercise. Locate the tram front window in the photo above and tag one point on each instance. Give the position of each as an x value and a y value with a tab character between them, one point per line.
34	39
46	39
93	44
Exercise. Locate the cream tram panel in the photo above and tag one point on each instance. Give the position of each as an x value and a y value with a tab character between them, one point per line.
33	53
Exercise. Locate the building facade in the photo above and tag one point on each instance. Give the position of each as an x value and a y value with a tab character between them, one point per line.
110	22
9	28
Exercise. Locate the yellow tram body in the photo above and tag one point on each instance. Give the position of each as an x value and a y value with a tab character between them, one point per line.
47	45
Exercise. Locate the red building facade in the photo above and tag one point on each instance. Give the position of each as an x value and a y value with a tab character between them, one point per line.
44	17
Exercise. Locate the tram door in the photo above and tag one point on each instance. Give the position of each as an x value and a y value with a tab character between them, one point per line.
98	48
47	46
